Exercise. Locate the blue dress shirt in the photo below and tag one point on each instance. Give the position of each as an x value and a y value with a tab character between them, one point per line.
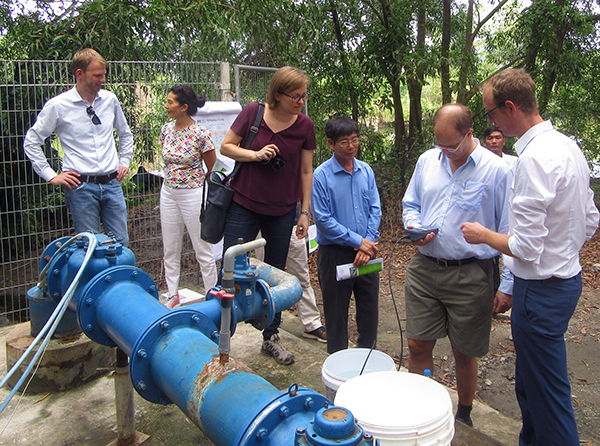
345	206
479	191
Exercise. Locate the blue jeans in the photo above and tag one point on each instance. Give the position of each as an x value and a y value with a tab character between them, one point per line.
276	230
91	203
540	317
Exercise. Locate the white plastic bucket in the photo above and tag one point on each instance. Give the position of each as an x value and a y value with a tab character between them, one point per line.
400	408
345	364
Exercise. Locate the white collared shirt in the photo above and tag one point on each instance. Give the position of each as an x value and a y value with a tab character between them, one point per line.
88	149
552	209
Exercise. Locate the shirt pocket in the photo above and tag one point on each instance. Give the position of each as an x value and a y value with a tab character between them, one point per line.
470	195
368	198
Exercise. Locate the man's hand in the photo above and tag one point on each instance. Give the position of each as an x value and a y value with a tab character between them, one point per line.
474	233
121	172
369	248
502	302
424	241
68	178
361	258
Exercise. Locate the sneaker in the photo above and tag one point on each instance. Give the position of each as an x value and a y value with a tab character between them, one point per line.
319	334
172	302
275	348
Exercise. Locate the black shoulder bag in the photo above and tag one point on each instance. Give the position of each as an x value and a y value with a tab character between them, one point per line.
218	194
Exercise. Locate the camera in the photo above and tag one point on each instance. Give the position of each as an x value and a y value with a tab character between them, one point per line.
278	161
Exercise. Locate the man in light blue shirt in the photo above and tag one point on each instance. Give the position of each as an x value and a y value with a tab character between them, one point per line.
449	283
84	119
347	213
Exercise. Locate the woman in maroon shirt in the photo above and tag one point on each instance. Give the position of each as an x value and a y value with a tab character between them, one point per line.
276	174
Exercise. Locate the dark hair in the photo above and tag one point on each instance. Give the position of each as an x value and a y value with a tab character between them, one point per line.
516	85
461	119
491	129
187	96
340	126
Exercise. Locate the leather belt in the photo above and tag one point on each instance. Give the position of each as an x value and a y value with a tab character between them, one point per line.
98	179
446	263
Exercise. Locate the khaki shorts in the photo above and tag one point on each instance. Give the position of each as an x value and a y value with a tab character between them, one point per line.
454	301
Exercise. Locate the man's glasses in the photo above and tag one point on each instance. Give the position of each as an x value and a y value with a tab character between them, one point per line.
95	119
455	148
297	97
344	143
488	114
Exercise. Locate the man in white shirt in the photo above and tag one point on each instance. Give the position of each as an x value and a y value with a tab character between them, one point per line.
84	118
449	288
494	141
552	214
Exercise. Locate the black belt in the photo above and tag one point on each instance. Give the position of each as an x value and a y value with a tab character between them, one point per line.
446	263
98	179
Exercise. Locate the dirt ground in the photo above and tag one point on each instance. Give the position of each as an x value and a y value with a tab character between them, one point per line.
497	369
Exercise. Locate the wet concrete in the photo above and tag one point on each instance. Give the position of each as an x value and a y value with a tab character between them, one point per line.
86	415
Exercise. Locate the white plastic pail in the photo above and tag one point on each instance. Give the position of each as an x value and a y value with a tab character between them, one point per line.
400	408
345	364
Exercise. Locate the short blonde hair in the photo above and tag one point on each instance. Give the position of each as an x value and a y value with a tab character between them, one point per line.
516	85
286	78
84	57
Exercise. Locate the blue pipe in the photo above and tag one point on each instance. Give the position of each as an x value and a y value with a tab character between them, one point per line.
174	356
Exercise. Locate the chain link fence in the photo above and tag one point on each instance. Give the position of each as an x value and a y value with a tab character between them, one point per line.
33	212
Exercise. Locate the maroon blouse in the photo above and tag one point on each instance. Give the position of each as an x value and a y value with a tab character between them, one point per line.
258	186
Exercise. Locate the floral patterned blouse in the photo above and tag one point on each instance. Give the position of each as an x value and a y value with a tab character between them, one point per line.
182	153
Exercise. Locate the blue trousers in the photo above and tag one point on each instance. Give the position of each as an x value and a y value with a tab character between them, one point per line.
540	317
90	203
276	230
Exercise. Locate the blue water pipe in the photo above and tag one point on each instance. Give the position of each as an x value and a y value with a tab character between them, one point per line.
177	356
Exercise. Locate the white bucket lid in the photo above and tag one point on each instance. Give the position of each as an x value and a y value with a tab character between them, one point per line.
396	402
343	365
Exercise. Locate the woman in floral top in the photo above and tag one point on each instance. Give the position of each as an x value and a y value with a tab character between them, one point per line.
185	145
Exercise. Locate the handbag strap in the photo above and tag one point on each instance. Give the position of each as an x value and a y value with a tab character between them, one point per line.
253	131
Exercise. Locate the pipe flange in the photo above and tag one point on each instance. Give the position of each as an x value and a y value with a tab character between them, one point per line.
100	284
139	361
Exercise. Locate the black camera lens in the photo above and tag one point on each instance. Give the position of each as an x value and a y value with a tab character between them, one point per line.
278	161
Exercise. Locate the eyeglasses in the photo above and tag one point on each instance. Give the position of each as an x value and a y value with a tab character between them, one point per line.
95	119
454	149
488	114
297	97
344	143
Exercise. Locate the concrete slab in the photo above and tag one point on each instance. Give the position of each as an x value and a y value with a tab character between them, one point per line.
86	416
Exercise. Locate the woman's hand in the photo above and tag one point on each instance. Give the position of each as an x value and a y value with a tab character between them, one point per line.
266	153
302	226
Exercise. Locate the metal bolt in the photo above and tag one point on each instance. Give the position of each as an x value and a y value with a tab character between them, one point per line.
89	301
196	319
107	279
88	327
56	295
284	412
261	434
300	430
56	272
308	403
152	288
134	274
165	325
163	402
141	353
46	257
214	335
368	436
141	385
265	302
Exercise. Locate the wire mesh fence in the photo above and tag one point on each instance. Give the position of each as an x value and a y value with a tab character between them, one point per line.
33	212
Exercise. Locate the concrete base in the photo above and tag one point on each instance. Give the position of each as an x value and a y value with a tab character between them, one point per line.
139	440
66	364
